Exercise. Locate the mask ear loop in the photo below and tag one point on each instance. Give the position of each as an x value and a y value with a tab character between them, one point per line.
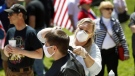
53	52
84	32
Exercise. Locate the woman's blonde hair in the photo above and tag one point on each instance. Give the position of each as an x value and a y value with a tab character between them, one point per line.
104	4
91	22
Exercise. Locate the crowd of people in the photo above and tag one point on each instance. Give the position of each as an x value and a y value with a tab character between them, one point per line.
92	46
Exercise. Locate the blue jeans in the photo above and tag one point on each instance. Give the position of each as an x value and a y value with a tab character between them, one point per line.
39	67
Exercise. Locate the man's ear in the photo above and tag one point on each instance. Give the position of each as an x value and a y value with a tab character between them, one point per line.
20	15
55	48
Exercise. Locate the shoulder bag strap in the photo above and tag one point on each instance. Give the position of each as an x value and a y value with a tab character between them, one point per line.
89	13
109	34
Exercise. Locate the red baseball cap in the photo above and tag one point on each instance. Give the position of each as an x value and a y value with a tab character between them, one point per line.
85	2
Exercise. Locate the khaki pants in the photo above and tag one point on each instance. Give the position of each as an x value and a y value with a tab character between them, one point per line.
21	73
4	60
3	56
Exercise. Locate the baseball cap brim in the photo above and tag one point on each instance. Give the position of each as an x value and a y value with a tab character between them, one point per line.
8	10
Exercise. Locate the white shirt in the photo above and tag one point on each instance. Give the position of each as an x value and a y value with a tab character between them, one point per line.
73	9
95	54
118	3
108	42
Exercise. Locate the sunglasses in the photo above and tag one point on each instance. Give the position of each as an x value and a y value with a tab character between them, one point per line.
10	13
109	9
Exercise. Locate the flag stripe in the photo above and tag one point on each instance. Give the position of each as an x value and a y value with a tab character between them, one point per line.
65	21
61	12
2	41
61	17
56	11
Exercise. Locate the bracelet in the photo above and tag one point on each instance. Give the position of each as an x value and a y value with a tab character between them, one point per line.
86	54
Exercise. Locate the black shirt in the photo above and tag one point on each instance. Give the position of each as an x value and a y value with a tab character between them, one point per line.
36	8
25	39
56	66
49	11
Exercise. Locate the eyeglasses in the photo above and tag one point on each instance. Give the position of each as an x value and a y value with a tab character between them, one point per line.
109	9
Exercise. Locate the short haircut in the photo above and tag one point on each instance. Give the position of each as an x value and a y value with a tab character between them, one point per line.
105	4
59	39
89	20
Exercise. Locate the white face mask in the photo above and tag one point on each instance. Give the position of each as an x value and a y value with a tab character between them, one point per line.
46	51
82	36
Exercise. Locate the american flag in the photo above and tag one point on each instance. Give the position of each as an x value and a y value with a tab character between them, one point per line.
61	17
2	41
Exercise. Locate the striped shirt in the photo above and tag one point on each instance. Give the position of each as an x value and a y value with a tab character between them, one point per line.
118	35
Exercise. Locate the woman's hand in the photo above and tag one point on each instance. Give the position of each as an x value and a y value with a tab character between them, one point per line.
79	50
126	57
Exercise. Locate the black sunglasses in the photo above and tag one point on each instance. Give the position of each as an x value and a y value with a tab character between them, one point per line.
10	13
109	9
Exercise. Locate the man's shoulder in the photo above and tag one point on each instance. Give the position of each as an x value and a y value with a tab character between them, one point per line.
133	16
11	29
74	66
35	2
35	5
30	29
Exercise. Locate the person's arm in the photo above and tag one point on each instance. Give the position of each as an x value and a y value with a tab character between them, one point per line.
32	21
72	21
96	55
41	34
132	27
79	50
71	10
123	41
92	61
37	54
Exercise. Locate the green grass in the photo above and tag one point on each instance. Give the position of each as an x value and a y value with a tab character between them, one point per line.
126	68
